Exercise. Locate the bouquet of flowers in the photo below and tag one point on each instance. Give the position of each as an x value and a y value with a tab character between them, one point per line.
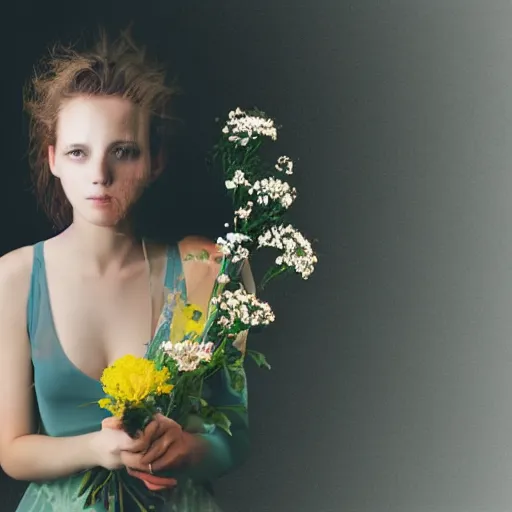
199	343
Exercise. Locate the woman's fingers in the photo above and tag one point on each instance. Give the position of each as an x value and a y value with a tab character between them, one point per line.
153	482
133	461
112	422
157	449
173	457
143	441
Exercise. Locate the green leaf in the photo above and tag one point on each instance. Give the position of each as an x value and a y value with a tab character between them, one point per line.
86	481
100	479
159	338
118	491
237	379
87	404
204	255
259	359
135	500
222	421
93	497
241	410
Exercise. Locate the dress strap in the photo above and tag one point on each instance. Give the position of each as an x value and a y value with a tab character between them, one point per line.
175	279
174	282
34	295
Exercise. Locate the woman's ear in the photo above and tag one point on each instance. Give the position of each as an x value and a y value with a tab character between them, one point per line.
51	159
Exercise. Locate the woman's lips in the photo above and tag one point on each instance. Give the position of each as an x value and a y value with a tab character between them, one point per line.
100	200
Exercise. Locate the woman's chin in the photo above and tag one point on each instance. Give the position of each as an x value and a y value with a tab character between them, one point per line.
104	219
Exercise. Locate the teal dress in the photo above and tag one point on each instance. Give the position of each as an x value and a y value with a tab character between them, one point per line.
62	390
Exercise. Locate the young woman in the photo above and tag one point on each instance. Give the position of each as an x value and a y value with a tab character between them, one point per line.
71	305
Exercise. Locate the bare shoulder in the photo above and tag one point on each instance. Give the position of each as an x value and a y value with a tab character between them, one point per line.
201	261
15	272
16	400
197	245
15	276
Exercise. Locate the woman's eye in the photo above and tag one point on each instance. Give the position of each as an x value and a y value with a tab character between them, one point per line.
126	153
76	153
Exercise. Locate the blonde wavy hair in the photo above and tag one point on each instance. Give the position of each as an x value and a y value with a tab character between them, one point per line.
112	67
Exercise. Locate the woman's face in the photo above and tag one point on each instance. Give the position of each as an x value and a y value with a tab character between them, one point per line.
101	157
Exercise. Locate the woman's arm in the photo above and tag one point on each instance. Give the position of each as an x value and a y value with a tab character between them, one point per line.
214	453
25	455
221	452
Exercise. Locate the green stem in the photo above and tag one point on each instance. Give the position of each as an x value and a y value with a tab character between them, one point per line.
271	219
272	273
216	291
250	150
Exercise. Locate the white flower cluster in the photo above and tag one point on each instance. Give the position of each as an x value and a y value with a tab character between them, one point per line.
232	246
275	189
188	354
238	180
241	307
223	279
265	190
244	213
248	126
297	250
284	164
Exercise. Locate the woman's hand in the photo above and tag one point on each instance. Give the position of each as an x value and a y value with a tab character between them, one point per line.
152	482
111	443
171	447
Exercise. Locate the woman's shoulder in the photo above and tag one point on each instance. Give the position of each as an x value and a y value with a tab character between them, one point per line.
196	246
200	265
202	250
17	262
15	272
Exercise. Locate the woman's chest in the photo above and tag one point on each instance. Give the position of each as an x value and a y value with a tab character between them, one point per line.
102	320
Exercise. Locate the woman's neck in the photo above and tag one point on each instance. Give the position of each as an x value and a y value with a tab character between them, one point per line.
102	250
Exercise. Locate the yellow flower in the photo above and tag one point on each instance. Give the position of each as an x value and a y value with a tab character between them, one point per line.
187	319
130	380
115	408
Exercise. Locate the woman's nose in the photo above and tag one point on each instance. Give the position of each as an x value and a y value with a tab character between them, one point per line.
101	173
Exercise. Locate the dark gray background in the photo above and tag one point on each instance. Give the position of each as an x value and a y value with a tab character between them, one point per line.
390	388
